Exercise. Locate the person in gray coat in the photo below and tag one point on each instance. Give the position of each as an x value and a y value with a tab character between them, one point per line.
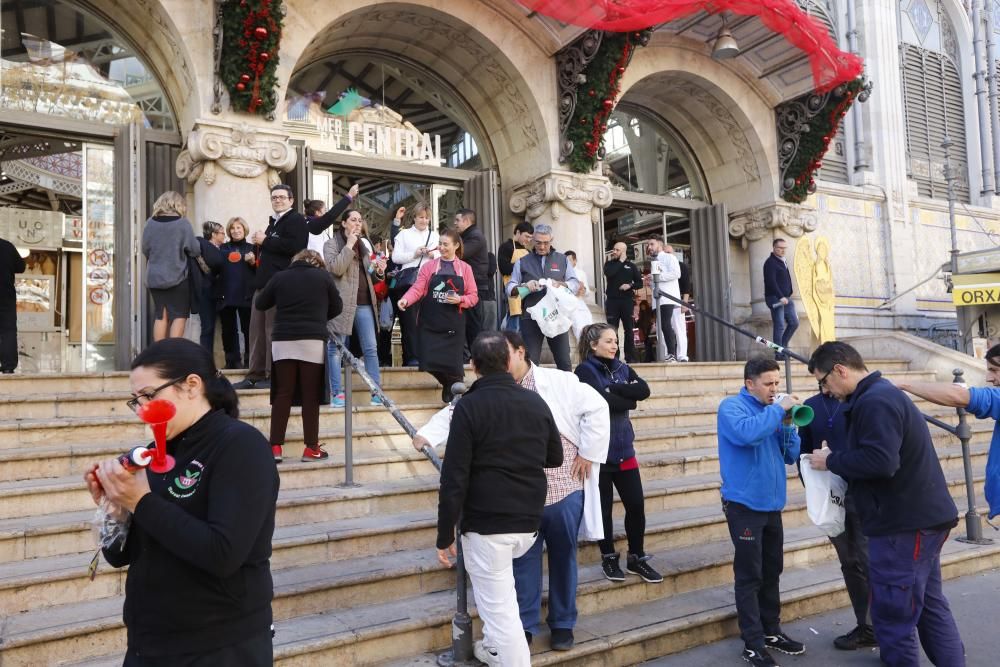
167	242
349	257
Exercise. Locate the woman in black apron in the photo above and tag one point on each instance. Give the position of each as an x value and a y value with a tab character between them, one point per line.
445	288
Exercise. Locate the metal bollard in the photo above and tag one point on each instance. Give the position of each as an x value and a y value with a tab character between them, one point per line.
348	427
973	522
461	623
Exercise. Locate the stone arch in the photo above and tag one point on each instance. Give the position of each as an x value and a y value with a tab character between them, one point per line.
476	51
149	27
728	124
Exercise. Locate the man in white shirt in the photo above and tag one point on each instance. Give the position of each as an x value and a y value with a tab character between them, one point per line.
666	273
678	320
581	317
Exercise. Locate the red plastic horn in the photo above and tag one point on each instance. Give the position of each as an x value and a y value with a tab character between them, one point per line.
157	413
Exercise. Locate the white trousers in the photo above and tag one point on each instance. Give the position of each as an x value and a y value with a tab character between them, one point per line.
489	559
679	323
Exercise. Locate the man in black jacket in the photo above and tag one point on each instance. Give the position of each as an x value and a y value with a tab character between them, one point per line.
778	295
906	509
287	233
10	263
623	278
485	464
477	255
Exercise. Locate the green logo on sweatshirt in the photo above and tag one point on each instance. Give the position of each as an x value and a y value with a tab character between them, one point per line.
185	484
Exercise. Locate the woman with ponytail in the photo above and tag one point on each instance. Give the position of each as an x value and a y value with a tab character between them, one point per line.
621	387
198	588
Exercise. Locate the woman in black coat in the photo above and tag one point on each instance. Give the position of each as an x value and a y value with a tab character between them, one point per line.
306	298
234	288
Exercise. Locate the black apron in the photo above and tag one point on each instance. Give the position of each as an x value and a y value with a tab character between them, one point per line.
442	327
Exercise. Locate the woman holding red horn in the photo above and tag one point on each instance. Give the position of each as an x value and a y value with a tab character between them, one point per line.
450	288
198	588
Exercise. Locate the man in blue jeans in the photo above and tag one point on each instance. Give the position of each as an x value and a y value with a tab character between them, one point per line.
899	489
778	295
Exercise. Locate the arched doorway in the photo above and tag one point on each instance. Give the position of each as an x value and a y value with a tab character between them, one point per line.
72	91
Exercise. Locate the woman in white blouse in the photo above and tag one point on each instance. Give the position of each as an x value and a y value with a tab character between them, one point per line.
414	246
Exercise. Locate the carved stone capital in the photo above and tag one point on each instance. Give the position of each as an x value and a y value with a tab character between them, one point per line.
560	192
754	224
240	149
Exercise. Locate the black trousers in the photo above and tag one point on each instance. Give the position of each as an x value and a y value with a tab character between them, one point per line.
759	542
257	651
446	380
558	345
409	330
620	311
308	378
473	325
669	335
8	338
629	485
230	335
852	551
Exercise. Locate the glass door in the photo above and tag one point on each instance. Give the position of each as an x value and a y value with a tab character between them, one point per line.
97	322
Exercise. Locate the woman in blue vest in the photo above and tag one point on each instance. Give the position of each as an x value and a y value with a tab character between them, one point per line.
621	387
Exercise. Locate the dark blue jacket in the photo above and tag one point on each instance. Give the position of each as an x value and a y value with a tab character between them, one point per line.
212	257
890	464
828	425
777	280
235	282
621	387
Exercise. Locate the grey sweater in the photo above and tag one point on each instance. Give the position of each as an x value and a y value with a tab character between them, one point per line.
167	242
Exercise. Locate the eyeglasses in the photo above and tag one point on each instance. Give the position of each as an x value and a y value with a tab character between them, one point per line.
278	197
134	402
822	380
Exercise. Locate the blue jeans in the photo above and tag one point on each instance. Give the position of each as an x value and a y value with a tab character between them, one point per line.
559	528
364	329
786	321
904	572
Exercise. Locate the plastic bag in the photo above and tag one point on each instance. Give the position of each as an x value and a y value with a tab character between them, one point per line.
549	318
825	493
110	525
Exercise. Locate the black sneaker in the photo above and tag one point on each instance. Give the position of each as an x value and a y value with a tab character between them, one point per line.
612	570
758	657
862	636
781	642
562	639
639	565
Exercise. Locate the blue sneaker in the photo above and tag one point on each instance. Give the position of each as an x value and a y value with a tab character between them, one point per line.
337	401
376	400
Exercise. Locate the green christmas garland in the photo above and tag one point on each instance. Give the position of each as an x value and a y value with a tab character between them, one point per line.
815	140
249	61
595	99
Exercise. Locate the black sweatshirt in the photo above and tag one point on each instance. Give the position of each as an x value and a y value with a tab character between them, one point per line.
620	273
198	550
306	297
320	223
283	240
501	437
10	263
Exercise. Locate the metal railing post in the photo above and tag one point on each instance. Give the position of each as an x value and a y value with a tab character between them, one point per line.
973	525
788	374
348	425
461	623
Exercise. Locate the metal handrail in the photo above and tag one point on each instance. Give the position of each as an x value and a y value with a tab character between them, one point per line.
962	431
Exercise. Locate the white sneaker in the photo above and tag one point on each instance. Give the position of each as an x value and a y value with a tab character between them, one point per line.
486	655
670	359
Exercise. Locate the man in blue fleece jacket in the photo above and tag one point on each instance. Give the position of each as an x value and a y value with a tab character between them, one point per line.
899	489
756	441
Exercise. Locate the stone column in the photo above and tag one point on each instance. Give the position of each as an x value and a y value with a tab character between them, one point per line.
571	204
756	228
230	168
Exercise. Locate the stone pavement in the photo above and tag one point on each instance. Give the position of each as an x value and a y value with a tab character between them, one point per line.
974	600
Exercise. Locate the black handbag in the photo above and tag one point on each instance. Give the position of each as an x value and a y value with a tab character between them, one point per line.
404	278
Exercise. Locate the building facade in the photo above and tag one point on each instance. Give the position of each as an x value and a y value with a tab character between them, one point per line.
107	103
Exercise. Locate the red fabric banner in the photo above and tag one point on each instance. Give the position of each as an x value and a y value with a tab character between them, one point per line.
830	66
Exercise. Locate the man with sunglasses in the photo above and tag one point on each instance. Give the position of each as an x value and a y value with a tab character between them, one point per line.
287	233
906	509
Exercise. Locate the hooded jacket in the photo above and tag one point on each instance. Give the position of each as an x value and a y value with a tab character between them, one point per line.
984	403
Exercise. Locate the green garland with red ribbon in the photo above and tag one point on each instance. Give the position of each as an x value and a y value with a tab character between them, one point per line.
249	62
815	140
595	99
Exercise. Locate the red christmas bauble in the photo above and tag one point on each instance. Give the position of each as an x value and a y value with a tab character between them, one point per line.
592	92
264	55
260	32
241	86
609	103
258	101
583	121
621	70
245	78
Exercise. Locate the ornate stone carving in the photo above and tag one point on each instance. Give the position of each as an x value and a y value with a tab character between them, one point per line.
757	223
557	192
570	65
242	150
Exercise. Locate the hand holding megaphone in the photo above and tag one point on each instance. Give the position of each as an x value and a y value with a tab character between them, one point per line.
801	415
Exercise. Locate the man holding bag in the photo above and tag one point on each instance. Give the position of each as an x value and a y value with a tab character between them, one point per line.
829	429
543	262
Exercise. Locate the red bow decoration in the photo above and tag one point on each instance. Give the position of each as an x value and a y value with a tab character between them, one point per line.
830	66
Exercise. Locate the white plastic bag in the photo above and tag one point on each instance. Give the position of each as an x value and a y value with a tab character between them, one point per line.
825	493
548	316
